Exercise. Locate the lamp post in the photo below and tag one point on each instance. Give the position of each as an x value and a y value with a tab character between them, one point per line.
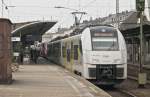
117	13
2	8
7	8
140	6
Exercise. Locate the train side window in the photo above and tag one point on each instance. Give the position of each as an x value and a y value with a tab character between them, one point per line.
68	55
52	50
64	51
72	50
57	50
75	52
80	46
49	50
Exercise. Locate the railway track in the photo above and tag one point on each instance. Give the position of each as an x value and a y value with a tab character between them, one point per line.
127	93
117	92
129	88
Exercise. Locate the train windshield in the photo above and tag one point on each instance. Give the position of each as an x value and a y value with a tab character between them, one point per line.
104	38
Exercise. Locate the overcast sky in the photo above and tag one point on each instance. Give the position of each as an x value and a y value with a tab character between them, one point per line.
31	10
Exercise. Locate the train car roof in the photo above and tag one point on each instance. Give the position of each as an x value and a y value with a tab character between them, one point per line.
77	30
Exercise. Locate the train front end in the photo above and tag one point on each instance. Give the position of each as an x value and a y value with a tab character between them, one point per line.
104	55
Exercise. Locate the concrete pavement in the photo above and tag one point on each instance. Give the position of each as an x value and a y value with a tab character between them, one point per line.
48	81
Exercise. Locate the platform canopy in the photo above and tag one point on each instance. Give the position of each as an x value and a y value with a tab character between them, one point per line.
33	31
37	27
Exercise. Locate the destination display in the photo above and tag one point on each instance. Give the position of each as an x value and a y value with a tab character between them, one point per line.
103	33
98	34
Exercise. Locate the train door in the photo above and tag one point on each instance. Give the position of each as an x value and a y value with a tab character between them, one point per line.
68	52
77	57
80	57
64	49
80	52
66	55
71	57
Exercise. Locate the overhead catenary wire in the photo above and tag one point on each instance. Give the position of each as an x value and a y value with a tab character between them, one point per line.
31	6
89	5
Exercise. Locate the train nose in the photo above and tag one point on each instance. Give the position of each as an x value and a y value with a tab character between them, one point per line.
105	72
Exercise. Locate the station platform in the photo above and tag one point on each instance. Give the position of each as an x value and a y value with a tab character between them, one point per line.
48	80
133	71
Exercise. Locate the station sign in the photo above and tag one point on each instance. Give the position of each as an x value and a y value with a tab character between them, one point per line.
16	54
15	38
